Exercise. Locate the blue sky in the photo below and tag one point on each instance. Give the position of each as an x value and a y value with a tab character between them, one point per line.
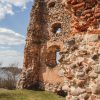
14	20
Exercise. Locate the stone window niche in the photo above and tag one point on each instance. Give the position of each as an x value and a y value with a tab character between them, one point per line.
53	55
56	28
51	4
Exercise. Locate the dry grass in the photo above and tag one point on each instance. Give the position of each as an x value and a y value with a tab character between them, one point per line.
28	95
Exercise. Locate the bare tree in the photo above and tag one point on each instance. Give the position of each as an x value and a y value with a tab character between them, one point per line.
13	68
1	64
11	72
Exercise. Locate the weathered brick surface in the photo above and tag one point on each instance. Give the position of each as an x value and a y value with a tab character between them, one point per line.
71	28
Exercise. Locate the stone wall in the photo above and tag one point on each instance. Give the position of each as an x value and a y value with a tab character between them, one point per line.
80	67
85	15
72	28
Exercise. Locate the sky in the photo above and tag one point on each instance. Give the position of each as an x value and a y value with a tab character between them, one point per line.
14	20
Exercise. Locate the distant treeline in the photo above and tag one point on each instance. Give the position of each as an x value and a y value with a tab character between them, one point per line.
9	76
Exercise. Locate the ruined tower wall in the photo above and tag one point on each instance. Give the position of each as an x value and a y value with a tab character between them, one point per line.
30	73
46	19
58	26
72	29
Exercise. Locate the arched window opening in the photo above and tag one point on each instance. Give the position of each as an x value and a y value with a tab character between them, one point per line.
56	28
53	55
51	4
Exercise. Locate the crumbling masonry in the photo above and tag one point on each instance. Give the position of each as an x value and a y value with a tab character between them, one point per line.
62	51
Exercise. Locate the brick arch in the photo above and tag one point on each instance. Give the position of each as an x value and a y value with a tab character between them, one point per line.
51	4
51	58
53	48
55	27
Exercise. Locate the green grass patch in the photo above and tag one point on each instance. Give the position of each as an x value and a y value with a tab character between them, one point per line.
28	95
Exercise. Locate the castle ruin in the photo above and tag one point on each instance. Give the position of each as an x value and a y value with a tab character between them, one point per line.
62	51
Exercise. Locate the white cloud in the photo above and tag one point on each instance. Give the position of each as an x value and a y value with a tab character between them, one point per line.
17	3
11	53
8	40
9	37
6	6
11	56
5	9
4	47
